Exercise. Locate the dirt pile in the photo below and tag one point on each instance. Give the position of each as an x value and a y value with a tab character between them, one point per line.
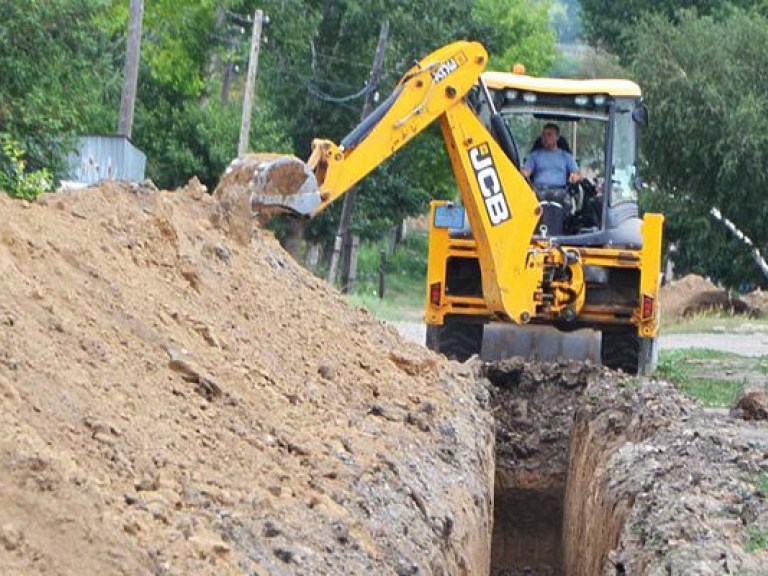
692	294
758	300
176	402
658	485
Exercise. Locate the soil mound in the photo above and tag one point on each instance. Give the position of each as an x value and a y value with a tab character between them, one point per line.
680	488
693	294
752	405
173	401
758	300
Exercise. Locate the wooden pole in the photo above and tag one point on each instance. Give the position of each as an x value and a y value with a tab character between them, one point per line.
131	69
342	233
382	271
250	83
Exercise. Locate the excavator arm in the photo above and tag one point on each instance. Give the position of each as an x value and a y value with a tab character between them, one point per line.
501	206
433	86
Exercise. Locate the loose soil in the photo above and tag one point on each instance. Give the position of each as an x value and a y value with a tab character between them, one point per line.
177	396
175	399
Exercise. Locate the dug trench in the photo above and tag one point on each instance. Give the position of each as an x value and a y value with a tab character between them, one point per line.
179	397
597	473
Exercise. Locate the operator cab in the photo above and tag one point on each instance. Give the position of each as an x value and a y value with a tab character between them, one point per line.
598	122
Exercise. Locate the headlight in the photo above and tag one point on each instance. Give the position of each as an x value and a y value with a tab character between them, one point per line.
581	100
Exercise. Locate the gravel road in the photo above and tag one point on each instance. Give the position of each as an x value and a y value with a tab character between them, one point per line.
749	342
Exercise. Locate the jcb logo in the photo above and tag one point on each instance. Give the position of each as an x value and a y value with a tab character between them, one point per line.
448	67
490	184
444	70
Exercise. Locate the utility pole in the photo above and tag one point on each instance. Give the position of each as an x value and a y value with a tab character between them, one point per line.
131	70
250	83
343	242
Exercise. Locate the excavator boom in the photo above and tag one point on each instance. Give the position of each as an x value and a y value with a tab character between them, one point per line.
430	88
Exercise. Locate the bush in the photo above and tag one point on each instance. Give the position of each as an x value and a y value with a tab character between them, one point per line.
14	180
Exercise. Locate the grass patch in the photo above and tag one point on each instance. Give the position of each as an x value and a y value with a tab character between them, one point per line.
714	322
757	539
691	371
404	282
762	483
713	393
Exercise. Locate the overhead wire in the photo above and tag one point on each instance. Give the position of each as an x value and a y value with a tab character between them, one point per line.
317	93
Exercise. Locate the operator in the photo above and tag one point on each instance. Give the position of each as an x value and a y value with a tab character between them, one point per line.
549	166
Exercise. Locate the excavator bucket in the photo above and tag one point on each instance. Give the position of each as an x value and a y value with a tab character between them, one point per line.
272	183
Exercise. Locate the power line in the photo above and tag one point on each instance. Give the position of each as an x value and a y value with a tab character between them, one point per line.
336	99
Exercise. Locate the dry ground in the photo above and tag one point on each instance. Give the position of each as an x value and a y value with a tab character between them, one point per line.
173	401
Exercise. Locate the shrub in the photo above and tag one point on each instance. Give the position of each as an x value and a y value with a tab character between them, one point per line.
14	180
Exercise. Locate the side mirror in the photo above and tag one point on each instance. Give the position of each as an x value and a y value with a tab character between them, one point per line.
639	183
640	114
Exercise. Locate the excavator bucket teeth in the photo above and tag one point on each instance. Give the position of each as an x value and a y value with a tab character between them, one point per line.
273	183
542	343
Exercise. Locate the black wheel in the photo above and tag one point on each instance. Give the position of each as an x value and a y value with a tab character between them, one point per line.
625	350
456	339
620	349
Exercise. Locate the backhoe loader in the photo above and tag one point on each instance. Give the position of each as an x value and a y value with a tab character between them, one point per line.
504	255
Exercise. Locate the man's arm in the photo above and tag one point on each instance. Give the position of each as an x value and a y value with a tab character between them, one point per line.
529	165
573	170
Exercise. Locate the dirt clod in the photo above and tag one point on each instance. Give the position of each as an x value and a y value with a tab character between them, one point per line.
752	405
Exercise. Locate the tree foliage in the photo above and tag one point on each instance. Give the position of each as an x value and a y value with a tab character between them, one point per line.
517	31
15	179
566	20
707	144
612	24
58	76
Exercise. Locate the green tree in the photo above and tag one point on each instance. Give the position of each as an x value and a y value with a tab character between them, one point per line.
612	24
59	77
565	16
187	51
707	144
517	31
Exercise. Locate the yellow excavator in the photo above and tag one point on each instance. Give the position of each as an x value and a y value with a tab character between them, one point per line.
508	257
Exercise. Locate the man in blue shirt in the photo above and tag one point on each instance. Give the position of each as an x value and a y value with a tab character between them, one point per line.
549	166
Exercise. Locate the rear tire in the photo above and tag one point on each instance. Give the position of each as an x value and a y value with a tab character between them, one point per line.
455	339
625	350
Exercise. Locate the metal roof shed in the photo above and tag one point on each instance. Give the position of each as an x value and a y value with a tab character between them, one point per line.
100	158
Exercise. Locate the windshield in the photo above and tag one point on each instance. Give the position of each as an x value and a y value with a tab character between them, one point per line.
585	123
582	121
